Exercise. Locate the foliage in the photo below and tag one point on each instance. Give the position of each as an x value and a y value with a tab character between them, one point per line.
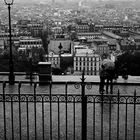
128	63
22	62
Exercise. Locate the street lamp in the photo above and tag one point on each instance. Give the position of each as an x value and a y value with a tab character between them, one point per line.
60	47
31	67
11	68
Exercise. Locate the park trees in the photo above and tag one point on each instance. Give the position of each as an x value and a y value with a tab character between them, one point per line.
128	63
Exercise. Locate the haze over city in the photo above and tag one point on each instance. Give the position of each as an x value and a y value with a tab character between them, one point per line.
70	69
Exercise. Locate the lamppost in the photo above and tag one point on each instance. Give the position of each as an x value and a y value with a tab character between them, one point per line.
11	68
60	47
31	67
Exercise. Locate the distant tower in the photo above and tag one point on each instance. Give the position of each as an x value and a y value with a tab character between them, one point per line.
126	18
80	3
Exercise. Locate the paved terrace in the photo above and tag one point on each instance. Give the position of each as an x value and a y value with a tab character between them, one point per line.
132	80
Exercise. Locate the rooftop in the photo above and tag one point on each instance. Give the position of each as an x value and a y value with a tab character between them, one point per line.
112	35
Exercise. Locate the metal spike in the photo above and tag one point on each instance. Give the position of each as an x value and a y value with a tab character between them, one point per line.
19	85
4	84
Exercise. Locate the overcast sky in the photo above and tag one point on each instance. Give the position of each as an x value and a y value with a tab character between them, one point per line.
73	0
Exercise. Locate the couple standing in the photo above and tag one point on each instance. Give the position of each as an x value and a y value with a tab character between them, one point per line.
107	73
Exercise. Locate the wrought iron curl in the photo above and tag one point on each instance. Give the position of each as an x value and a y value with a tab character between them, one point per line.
88	85
1	98
8	97
70	98
138	100
122	100
54	98
31	98
62	98
78	99
131	100
90	99
15	98
77	85
38	98
46	98
98	99
115	99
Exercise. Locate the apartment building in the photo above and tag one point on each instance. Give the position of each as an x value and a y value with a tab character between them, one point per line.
29	43
90	63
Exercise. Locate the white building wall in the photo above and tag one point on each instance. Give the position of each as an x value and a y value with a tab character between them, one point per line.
89	63
55	61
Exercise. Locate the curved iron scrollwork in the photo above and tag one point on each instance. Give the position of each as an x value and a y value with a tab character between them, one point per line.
77	85
138	100
88	85
1	98
113	99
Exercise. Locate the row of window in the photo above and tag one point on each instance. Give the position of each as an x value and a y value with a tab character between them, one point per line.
87	59
87	62
54	62
53	59
86	68
30	46
103	48
6	36
82	27
91	64
90	36
30	42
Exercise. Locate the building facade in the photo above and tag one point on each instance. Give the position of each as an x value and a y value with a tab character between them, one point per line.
35	29
66	46
90	36
90	63
29	43
82	28
5	36
54	59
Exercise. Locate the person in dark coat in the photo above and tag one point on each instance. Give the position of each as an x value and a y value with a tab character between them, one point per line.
106	73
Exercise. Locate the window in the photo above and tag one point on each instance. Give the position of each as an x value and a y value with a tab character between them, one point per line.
91	68
95	64
84	63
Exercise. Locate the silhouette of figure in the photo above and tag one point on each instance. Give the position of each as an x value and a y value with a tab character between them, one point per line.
107	72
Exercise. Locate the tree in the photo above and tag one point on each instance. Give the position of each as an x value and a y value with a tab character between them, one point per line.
128	63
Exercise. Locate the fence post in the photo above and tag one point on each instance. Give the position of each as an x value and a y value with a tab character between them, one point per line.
4	111
84	109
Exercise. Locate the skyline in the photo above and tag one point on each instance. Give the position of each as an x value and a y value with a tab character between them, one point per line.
73	0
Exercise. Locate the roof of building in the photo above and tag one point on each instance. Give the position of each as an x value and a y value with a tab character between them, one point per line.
44	63
28	38
111	35
90	33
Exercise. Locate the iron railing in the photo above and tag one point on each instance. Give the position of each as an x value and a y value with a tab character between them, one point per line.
68	116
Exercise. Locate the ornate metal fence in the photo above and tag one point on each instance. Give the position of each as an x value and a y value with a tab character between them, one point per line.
68	116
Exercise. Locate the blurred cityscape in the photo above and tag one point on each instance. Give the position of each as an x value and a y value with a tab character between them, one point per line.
72	35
